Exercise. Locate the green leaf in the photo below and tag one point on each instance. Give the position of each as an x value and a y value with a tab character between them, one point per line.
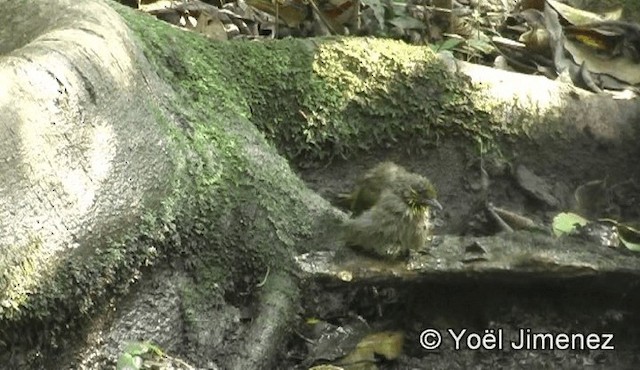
635	247
629	237
136	348
566	222
156	350
140	348
128	362
448	44
480	45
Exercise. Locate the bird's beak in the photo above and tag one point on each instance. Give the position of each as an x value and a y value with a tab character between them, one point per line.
434	203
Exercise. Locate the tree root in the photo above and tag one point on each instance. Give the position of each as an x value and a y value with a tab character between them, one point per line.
277	308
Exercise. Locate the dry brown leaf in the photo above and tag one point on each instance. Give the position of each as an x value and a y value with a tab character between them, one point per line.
211	27
291	12
622	69
387	344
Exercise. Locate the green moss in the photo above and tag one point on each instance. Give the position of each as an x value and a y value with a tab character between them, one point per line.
224	184
41	299
207	293
19	276
324	99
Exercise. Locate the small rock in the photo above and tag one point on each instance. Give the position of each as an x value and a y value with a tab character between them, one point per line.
535	186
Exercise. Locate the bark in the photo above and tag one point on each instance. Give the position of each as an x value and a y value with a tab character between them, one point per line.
85	158
125	148
103	176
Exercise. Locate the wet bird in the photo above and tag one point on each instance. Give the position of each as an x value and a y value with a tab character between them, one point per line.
386	175
390	211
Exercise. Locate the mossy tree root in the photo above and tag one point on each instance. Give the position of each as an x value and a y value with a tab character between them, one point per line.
277	307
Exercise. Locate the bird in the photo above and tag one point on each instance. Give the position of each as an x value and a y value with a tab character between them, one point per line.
390	212
385	175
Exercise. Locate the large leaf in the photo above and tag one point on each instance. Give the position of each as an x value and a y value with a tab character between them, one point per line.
629	237
566	222
129	362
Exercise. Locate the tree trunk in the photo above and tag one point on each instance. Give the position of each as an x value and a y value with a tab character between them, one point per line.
103	175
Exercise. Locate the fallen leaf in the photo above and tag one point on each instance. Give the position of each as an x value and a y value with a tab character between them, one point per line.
564	223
